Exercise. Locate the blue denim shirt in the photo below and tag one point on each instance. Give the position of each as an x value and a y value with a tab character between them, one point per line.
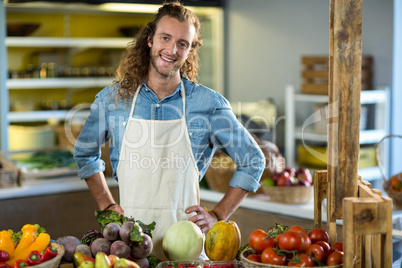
210	122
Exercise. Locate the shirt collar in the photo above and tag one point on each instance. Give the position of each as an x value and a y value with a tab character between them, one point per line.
178	90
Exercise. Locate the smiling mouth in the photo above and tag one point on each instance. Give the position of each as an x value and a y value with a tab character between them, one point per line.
167	59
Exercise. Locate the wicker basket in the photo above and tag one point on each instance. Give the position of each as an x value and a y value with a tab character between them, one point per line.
289	194
53	263
251	264
396	196
67	135
221	169
9	173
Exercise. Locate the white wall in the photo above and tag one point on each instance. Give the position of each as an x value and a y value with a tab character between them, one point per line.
266	39
396	153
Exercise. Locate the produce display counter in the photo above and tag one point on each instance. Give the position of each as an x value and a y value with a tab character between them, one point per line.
65	206
40	187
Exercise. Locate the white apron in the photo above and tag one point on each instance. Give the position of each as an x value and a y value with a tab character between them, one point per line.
157	172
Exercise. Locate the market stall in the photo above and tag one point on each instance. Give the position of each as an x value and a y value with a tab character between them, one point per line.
366	215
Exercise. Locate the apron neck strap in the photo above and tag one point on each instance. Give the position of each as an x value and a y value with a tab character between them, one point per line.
183	97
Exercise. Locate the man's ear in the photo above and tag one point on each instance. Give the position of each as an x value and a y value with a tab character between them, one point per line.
149	41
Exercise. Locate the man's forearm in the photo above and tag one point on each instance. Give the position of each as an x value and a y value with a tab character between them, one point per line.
100	190
230	202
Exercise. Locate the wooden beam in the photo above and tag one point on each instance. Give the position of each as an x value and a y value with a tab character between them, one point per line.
344	101
320	192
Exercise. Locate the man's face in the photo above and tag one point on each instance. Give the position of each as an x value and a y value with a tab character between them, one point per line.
170	46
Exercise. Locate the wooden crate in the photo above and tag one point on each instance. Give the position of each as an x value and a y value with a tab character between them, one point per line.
315	74
367	224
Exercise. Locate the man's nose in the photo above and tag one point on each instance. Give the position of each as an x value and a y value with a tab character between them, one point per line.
172	48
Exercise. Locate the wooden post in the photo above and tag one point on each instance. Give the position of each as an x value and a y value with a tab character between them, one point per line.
320	192
344	102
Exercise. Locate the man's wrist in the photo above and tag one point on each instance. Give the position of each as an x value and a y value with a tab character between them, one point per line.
218	217
110	205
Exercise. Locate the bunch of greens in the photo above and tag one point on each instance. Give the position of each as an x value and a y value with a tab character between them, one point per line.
104	217
48	160
90	236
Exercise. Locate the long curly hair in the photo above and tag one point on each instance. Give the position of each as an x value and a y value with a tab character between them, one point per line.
134	65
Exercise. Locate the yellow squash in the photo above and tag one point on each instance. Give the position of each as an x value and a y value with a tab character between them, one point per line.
222	242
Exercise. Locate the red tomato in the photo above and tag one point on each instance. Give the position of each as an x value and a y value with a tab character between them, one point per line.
301	260
335	258
276	239
317	252
258	242
306	242
254	257
290	241
337	246
297	229
318	234
270	256
325	246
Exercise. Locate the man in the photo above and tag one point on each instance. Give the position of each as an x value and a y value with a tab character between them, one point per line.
164	130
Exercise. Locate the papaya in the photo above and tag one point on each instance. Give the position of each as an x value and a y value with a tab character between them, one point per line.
222	242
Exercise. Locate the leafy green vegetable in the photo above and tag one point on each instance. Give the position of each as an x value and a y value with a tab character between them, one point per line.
147	229
90	236
153	261
48	160
136	234
104	217
241	249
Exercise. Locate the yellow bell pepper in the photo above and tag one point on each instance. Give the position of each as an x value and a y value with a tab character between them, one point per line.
28	237
40	244
6	242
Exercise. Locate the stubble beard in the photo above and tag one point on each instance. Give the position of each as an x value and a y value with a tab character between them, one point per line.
176	67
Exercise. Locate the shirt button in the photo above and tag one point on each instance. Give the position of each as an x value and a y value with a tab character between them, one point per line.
124	123
158	105
190	133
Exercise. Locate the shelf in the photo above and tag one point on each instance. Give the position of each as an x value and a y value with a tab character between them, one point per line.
297	133
67	42
41	116
366	97
370	174
366	136
79	82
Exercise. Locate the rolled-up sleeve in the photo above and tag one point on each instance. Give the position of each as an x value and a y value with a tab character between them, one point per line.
230	136
87	149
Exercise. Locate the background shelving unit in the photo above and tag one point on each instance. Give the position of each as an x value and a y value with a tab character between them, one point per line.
62	34
301	119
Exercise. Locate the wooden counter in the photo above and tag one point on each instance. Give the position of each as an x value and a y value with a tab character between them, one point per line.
64	206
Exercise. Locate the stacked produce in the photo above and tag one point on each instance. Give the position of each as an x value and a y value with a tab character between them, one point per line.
122	242
294	246
29	247
290	177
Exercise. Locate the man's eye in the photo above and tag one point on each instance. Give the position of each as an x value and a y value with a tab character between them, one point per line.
184	45
165	38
